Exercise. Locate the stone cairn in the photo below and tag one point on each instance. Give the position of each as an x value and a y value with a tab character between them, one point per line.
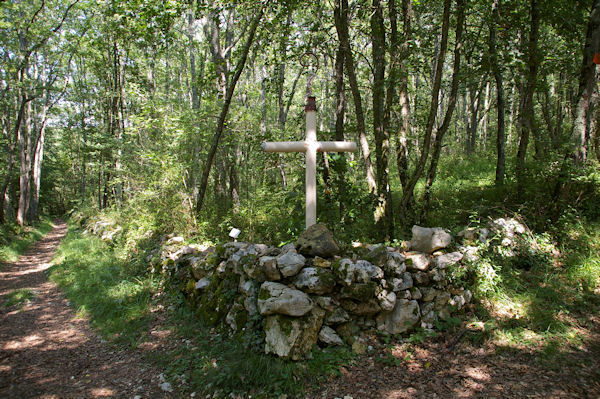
305	293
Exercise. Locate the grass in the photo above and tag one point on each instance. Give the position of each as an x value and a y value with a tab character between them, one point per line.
116	294
113	292
18	298
14	239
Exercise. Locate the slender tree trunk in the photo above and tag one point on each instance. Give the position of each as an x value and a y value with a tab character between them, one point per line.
383	211
341	25
587	85
193	77
441	132
37	167
340	99
420	167
225	109
24	142
402	144
497	71
526	117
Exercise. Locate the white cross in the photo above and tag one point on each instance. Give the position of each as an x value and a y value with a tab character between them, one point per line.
310	146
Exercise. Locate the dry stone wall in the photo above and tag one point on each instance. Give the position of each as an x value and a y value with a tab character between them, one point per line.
307	293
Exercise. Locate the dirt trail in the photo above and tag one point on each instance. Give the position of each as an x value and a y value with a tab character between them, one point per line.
46	351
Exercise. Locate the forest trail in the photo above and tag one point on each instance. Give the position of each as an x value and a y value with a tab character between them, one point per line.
47	351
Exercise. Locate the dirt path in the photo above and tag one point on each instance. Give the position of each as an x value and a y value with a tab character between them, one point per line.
437	370
46	351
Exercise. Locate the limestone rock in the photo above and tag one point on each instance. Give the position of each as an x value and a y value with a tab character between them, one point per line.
417	262
395	265
175	240
320	262
362	271
293	337
368	308
443	261
403	317
437	275
427	240
275	298
416	293
202	283
291	247
328	336
325	302
315	280
269	266
236	317
252	267
360	292
377	255
387	299
421	278
290	263
338	316
429	294
371	271
317	240
400	284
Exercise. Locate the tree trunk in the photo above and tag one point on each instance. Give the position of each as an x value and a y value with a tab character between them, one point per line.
587	86
497	71
526	117
341	25
225	109
37	166
435	93
24	142
383	212
441	132
340	99
402	144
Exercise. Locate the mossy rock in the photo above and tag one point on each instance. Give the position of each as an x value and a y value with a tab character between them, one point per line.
361	292
378	256
218	297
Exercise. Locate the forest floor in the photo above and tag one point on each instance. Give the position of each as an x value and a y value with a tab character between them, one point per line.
48	351
450	366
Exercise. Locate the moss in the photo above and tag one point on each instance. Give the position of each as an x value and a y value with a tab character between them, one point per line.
336	266
360	292
218	298
326	277
286	324
220	251
249	259
264	294
212	260
377	256
190	286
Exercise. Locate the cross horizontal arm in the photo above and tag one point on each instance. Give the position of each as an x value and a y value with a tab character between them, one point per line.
284	146
336	146
301	146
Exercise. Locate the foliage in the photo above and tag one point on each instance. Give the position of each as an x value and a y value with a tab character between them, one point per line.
15	239
18	297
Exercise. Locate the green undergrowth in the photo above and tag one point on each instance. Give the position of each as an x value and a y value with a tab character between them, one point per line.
113	292
15	239
116	293
214	362
17	298
541	299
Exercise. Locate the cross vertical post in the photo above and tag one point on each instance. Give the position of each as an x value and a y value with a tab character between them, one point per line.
310	146
311	161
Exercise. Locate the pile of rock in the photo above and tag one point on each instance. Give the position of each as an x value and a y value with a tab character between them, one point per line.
306	293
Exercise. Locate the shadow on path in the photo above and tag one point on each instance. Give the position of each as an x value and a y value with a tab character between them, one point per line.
46	351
